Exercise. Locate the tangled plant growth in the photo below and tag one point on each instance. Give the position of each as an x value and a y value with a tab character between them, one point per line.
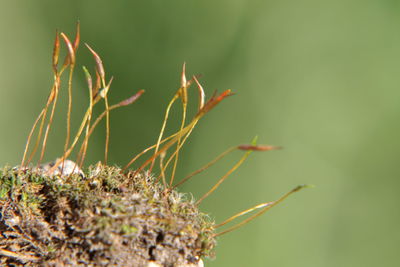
56	214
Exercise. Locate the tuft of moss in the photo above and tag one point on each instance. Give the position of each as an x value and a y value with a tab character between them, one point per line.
58	215
100	218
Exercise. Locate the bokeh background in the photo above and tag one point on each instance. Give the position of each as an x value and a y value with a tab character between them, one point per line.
320	78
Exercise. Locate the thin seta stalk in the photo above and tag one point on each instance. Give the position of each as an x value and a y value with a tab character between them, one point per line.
103	93
162	157
72	58
264	206
51	99
107	143
205	167
187	129
48	127
181	143
182	94
200	106
97	95
29	138
208	106
96	99
171	142
133	160
67	61
184	98
248	149
123	103
82	153
176	96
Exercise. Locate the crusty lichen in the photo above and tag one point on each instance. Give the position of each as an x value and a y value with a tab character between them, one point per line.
104	219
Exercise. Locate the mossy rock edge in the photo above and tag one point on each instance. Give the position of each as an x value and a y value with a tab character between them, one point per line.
101	218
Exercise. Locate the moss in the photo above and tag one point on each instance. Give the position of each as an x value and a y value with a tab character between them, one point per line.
57	215
104	218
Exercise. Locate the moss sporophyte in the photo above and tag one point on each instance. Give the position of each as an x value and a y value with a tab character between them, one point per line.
58	214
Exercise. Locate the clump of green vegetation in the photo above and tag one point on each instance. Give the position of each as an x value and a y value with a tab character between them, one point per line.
103	218
56	214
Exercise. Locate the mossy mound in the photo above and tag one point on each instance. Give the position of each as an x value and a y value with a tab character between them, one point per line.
104	218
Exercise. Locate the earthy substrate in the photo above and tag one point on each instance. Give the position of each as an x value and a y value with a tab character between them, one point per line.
101	218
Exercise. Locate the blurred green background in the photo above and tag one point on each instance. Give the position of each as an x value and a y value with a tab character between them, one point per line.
320	78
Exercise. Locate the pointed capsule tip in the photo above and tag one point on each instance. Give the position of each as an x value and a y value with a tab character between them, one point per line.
183	76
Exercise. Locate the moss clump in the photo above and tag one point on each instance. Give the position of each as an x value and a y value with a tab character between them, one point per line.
58	215
103	218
